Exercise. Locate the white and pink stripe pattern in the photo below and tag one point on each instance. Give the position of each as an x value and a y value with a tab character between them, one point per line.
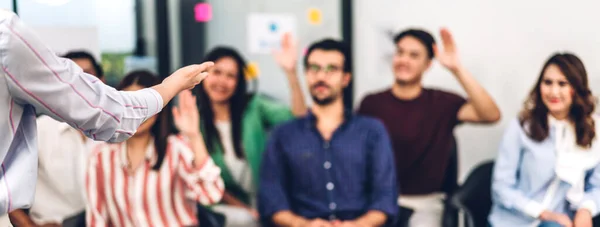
145	197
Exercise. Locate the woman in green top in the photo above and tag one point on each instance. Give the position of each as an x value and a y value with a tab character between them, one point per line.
235	124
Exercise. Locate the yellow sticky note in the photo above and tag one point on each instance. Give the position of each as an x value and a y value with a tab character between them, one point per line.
314	16
251	72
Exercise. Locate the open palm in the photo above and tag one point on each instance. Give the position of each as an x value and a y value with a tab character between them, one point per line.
449	56
185	115
287	56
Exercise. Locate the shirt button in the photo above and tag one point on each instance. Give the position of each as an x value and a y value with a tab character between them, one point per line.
327	165
326	145
329	186
332	217
332	206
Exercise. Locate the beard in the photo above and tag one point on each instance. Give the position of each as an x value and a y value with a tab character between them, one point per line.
323	101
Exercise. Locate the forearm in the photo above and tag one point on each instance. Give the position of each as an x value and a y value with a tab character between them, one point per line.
166	92
231	200
199	149
372	218
298	104
288	219
482	102
20	218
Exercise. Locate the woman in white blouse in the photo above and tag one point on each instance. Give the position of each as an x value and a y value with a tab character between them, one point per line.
547	172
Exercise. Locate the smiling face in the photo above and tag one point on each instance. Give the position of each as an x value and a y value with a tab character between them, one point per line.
410	61
556	91
221	84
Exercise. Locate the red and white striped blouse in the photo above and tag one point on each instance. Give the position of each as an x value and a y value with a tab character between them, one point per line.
166	197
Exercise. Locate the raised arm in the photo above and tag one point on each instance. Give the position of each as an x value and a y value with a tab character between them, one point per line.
480	108
287	59
58	88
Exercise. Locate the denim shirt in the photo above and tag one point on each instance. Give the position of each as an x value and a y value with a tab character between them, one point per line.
342	178
523	173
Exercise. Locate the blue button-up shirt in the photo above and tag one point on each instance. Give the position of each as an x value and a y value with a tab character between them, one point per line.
524	170
342	178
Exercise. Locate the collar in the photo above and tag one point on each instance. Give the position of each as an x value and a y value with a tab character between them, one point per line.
310	118
150	155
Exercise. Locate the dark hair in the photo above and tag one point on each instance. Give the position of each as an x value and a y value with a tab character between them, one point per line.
535	113
86	55
331	45
163	127
237	102
424	37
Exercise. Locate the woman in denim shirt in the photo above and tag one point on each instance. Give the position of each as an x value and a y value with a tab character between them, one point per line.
547	172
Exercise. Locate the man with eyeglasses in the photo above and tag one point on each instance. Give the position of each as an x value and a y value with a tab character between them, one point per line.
330	168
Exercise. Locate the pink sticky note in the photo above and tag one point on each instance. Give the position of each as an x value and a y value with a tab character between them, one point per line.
304	51
203	12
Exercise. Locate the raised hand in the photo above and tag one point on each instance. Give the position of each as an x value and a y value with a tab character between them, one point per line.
186	115
287	56
449	56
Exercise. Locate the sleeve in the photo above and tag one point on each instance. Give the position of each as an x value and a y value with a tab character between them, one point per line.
382	178
591	198
273	112
96	211
60	89
272	196
504	179
452	103
203	183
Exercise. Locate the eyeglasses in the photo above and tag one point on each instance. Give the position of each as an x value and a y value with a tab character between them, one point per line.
314	69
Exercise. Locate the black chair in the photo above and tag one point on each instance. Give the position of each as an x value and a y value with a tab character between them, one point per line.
77	220
209	218
597	221
474	196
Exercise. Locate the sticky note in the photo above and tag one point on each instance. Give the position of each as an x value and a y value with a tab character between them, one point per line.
314	16
203	12
304	51
251	72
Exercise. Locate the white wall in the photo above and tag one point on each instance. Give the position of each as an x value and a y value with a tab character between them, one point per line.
503	43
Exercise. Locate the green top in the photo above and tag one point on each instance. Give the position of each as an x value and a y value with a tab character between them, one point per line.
260	115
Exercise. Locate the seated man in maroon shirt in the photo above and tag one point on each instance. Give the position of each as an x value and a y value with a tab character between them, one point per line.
421	121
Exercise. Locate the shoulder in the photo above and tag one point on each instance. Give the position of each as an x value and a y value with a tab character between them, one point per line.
289	128
378	95
440	94
368	124
103	151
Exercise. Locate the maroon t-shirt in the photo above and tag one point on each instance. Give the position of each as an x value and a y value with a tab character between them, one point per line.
421	131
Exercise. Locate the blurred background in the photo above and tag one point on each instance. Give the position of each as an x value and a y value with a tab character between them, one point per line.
503	43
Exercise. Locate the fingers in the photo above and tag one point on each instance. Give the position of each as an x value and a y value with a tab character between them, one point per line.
205	66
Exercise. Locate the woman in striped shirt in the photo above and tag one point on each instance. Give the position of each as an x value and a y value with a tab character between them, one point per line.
154	178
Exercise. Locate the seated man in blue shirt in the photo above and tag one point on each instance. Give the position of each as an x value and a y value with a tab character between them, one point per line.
330	168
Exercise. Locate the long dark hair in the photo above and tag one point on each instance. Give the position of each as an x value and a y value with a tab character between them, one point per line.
237	102
535	113
163	127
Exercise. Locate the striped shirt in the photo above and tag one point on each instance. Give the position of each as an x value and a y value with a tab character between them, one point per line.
146	197
33	80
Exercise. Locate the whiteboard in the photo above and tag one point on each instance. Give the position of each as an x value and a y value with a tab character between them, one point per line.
503	43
